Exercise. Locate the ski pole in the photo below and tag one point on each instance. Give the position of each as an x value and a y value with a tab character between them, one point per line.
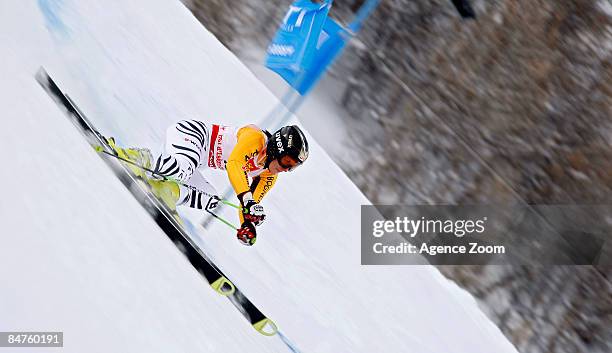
178	182
223	201
223	220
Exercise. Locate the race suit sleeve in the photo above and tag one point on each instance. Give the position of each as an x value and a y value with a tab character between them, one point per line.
250	143
260	187
262	184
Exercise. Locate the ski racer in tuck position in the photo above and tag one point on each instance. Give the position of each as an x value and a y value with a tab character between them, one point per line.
252	158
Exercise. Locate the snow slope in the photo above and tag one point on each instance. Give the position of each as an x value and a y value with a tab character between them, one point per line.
79	255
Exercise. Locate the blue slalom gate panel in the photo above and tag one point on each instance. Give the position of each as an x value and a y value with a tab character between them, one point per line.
308	41
332	40
295	41
305	43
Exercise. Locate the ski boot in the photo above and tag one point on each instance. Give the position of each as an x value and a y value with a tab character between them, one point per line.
167	191
141	157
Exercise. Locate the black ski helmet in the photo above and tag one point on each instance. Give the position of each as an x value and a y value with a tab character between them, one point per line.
287	141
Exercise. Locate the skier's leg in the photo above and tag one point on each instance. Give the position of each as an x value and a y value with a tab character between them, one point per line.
203	197
185	148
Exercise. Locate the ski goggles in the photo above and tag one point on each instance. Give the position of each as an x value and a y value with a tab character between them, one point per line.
288	163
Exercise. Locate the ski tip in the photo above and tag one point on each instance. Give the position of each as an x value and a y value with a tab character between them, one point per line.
42	76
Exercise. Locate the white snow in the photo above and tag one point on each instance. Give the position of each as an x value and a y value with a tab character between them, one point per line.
78	254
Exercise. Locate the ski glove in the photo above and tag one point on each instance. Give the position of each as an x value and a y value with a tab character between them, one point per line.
247	233
251	210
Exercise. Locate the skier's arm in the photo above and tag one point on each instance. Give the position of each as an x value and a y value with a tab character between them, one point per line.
259	188
262	184
250	143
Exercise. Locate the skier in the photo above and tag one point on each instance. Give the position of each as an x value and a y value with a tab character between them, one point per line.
246	152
